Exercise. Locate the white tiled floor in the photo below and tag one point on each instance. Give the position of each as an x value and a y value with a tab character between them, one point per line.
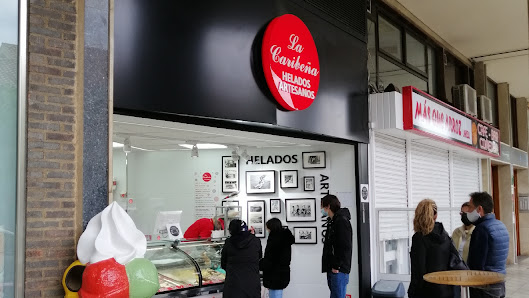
517	282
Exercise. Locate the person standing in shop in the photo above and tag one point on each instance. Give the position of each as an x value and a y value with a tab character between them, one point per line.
430	252
201	229
489	245
276	262
461	238
240	258
338	246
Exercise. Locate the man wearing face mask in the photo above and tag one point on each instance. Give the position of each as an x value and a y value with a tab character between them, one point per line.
338	245
489	244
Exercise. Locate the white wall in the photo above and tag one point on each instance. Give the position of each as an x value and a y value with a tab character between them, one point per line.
165	181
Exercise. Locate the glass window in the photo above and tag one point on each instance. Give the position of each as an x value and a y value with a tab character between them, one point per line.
8	146
432	78
389	39
390	73
415	53
372	52
514	123
492	93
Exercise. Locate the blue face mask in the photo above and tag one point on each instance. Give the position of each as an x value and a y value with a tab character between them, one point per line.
324	213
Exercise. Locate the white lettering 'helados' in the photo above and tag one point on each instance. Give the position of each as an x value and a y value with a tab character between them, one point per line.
292	63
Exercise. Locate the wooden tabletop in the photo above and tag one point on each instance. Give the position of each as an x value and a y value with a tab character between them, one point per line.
465	278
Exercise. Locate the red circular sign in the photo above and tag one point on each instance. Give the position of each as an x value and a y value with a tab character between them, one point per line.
290	62
206	177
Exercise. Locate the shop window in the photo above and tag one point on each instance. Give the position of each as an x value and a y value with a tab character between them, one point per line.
492	93
415	53
514	123
390	73
390	39
371	52
432	72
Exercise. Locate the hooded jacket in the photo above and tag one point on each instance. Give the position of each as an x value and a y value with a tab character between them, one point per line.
429	253
489	246
338	245
240	258
276	262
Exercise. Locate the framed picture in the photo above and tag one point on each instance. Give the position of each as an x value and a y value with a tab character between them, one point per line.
300	210
260	182
309	183
289	179
275	205
314	160
256	217
230	174
305	235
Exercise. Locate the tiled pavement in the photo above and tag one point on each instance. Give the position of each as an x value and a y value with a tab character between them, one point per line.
517	282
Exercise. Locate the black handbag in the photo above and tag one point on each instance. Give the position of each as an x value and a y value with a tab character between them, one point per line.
456	261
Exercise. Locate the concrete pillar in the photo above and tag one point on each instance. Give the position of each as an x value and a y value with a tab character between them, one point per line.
523	129
504	113
480	78
486	176
506	205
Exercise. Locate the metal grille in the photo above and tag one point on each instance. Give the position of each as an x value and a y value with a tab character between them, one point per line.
351	13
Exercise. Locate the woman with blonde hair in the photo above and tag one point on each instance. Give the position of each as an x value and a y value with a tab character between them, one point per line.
430	252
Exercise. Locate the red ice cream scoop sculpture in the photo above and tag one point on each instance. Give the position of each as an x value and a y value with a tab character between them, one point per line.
106	278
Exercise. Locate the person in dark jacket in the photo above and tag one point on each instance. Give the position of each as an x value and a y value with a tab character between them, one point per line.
489	245
430	252
240	258
276	262
338	246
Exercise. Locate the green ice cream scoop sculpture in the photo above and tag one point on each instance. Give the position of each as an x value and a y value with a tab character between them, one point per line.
113	249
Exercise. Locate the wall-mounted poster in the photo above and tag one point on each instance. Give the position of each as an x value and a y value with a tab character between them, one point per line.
260	182
309	183
300	210
305	235
289	179
314	160
275	205
230	174
256	217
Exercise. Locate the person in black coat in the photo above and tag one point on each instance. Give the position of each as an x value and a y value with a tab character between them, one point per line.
338	246
430	252
240	258
276	262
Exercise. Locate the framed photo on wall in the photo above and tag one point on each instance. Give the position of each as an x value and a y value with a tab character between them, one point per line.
300	210
305	235
275	205
230	174
314	160
260	182
289	179
309	183
256	217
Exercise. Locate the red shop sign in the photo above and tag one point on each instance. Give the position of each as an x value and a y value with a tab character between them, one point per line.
206	177
290	62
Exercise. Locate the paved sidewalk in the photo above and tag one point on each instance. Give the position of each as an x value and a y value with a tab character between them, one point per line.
517	284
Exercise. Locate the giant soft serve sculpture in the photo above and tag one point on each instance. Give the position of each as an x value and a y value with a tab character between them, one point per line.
113	249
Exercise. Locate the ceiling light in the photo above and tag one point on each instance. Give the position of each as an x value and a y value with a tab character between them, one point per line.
116	145
194	151
203	146
127	148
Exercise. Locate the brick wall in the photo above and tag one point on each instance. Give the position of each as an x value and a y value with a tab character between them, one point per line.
54	144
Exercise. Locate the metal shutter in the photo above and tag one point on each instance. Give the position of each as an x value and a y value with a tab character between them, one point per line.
391	186
466	180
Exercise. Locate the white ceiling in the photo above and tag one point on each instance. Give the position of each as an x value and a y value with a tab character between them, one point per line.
163	135
483	27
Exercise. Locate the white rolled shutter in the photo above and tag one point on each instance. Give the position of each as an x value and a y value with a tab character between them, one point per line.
391	186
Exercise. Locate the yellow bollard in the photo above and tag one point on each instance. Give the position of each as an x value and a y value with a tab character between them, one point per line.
72	279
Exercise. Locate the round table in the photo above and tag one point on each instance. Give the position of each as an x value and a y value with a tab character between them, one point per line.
464	278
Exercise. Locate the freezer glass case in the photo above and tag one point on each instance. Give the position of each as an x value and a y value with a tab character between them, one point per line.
191	264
